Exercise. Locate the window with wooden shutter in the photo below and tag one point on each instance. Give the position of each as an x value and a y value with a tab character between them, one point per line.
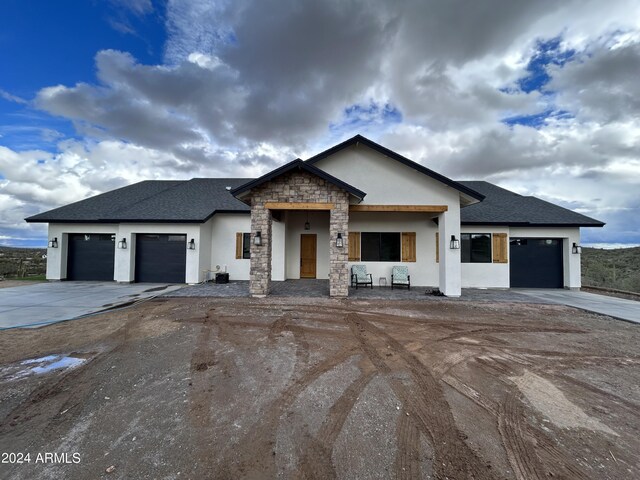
437	247
354	246
408	246
238	245
500	245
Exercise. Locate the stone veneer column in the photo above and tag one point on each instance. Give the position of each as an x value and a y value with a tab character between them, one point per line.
260	271
339	257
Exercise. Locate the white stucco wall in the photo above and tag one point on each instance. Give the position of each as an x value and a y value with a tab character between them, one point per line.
485	275
279	251
204	249
424	271
386	181
569	235
223	244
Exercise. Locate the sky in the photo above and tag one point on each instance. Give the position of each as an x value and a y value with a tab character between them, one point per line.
542	98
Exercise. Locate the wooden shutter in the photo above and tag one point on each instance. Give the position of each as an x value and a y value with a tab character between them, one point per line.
354	246
408	246
239	245
500	245
437	247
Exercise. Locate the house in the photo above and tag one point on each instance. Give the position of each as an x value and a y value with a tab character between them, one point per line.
355	203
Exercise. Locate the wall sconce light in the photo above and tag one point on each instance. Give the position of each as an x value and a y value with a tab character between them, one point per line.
576	248
454	244
53	243
192	244
339	241
122	244
257	240
307	225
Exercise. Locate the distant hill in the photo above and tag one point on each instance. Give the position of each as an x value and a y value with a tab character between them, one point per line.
22	262
617	268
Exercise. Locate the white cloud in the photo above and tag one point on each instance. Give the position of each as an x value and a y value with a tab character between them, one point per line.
249	85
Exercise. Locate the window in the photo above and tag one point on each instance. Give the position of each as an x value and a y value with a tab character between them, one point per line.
246	245
243	245
476	247
380	247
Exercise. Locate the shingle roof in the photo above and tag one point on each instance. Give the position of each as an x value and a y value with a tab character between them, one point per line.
188	201
196	200
298	164
503	207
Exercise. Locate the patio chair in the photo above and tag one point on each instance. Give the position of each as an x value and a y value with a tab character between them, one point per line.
359	276
400	276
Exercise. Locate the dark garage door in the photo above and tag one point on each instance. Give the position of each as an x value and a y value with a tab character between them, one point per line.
536	262
90	256
161	258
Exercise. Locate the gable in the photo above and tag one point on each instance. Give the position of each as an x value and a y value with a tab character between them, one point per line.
385	180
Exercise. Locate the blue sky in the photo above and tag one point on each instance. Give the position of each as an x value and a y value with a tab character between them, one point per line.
539	97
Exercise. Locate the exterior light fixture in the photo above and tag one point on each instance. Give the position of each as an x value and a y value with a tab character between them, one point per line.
192	244
576	248
454	244
257	240
339	241
53	243
122	244
307	225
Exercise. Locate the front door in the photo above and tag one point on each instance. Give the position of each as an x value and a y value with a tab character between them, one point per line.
308	255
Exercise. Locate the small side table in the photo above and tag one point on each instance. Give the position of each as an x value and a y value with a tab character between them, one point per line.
382	281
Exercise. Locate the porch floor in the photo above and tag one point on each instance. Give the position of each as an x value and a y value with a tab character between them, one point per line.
320	288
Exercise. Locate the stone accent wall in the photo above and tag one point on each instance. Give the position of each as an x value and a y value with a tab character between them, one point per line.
295	187
339	257
260	268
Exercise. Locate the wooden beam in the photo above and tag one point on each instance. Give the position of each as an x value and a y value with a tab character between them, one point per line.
399	208
298	206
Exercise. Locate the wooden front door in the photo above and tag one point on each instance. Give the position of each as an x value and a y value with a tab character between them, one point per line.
308	255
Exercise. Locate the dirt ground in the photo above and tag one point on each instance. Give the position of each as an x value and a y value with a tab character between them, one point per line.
17	283
304	388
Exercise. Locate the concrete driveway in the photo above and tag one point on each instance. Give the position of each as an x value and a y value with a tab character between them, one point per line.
615	307
44	303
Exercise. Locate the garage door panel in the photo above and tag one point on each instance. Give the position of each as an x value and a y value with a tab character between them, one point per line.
91	257
536	263
161	258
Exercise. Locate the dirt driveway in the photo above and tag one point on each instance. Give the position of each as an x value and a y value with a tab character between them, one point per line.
292	388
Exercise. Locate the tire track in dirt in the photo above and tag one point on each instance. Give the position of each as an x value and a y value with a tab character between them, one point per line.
202	359
472	394
505	329
316	456
407	466
629	406
424	400
254	455
519	446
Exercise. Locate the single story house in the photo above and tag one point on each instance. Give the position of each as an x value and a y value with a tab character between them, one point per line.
355	203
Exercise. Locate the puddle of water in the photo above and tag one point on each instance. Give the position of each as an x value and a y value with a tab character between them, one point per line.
63	362
39	366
